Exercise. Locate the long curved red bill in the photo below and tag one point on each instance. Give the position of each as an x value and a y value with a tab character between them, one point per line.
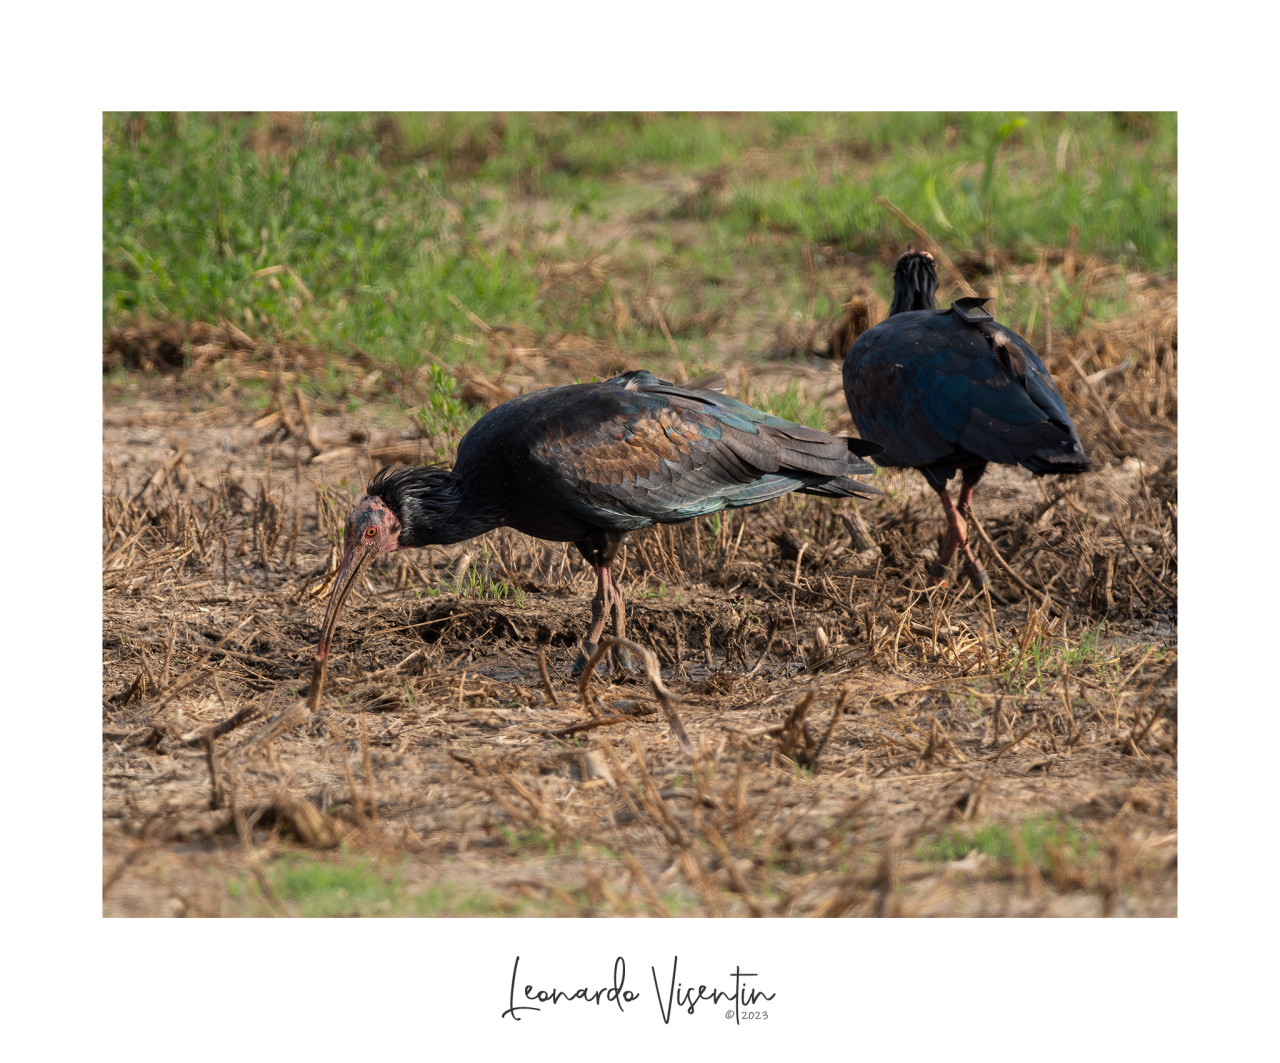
346	580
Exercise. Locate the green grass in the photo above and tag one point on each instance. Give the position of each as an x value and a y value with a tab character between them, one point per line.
1036	840
1088	650
475	585
313	887
1044	659
971	184
529	840
394	234
323	243
305	885
476	582
443	417
790	403
1017	180
348	885
1028	667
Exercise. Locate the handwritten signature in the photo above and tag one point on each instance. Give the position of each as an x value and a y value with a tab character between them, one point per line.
677	994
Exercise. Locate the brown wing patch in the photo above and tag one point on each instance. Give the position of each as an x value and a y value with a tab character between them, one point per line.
625	449
659	437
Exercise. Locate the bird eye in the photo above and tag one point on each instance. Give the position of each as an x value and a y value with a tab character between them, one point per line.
370	533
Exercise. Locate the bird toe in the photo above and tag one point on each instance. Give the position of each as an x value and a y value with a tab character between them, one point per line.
937	573
584	655
618	663
977	575
623	661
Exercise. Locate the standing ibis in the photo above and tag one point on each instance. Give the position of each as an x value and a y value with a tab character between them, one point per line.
948	390
588	463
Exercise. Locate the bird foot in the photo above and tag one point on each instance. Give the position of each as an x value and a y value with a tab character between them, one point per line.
620	662
937	573
623	661
584	655
981	582
977	574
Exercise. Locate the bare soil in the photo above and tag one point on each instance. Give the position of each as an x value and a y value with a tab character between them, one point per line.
862	743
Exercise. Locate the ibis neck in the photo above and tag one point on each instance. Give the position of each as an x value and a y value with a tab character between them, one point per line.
915	282
911	296
449	514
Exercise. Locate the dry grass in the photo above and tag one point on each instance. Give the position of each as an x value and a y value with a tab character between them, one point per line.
858	743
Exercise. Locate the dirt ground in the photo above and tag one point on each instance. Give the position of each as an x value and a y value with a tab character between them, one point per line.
862	744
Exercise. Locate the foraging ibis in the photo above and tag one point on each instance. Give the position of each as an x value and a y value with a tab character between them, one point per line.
953	390
588	463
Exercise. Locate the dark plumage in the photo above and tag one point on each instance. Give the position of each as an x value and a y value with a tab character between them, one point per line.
952	390
586	464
